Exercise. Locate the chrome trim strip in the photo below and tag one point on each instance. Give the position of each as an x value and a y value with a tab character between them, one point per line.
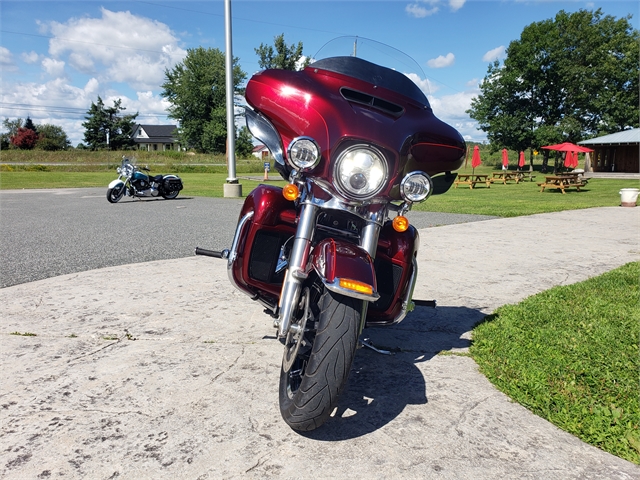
261	128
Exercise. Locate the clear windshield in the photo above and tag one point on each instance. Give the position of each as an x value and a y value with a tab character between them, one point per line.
377	53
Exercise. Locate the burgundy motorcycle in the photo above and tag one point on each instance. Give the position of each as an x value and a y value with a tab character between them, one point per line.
359	144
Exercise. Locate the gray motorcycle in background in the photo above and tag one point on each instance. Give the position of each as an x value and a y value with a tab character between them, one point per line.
133	182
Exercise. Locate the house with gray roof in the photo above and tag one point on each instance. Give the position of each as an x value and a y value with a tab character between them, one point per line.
155	137
617	152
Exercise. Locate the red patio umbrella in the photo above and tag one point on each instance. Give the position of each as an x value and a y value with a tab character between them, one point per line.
521	160
568	159
567	147
475	159
505	158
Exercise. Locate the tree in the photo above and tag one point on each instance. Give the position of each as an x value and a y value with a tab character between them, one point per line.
12	129
284	57
106	128
29	125
52	137
244	143
196	90
565	79
24	139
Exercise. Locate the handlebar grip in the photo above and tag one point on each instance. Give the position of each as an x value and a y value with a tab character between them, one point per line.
212	253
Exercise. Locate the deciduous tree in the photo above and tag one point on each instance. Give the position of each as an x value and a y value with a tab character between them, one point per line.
52	137
196	90
283	56
565	79
24	139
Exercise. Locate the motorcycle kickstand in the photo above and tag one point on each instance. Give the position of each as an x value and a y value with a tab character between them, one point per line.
365	342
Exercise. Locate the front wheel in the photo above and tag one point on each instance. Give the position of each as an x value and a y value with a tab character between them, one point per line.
319	351
115	194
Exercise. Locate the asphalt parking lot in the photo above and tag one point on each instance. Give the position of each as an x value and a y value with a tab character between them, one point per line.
46	233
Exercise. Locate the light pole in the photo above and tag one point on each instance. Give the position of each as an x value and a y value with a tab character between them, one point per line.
232	188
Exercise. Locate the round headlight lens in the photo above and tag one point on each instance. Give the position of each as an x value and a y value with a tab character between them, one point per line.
416	187
361	171
303	153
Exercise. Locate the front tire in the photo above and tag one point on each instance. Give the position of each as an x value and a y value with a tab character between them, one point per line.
316	367
115	194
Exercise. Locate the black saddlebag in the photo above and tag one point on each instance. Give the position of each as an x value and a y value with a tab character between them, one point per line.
172	184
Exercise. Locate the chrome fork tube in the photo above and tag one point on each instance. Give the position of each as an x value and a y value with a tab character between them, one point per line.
369	240
371	232
296	274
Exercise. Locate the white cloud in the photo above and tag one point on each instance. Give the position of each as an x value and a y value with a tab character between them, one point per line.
456	4
54	68
442	61
6	60
134	49
31	57
424	84
425	8
452	110
41	97
418	11
497	53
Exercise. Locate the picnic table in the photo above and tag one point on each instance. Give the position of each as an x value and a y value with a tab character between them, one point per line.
528	175
504	177
471	179
562	182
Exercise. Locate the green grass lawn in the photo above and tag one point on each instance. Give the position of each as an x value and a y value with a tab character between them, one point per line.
570	355
500	200
525	198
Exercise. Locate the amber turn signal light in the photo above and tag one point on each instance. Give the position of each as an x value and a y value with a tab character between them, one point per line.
400	224
356	286
290	192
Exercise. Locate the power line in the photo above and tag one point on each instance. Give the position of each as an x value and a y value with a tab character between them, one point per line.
70	111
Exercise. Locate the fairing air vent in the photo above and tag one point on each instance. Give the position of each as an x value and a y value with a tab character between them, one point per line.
371	101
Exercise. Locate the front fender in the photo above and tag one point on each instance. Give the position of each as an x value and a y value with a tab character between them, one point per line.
345	269
115	183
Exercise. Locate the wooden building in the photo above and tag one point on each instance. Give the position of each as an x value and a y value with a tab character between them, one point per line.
617	152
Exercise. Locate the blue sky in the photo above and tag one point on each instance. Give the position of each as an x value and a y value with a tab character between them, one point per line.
56	57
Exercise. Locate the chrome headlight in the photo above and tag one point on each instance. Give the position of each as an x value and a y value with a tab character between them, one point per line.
361	171
416	187
303	153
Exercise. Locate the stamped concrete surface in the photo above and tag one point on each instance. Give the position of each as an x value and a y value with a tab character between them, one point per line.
163	370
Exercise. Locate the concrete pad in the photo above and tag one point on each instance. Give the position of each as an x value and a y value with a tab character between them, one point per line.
163	370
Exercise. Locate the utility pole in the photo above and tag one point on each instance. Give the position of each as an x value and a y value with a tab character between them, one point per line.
232	188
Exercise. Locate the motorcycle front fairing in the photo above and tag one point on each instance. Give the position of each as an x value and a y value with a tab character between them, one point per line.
343	100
